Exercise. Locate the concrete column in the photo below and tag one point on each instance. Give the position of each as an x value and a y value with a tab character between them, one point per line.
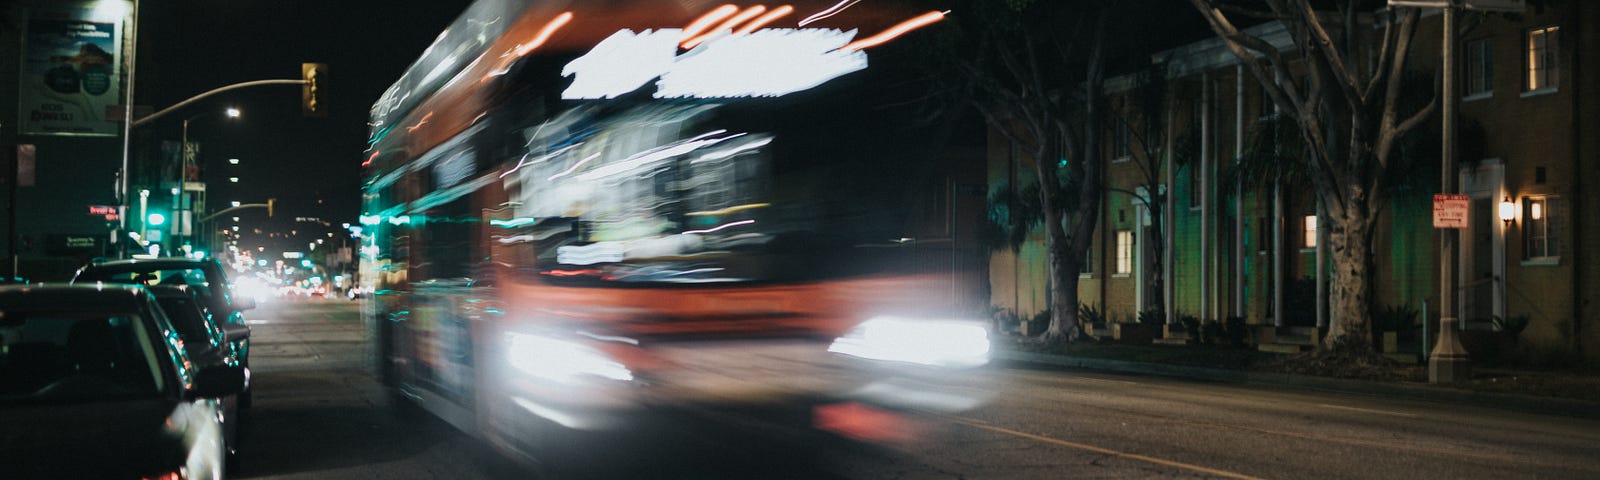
1238	193
1205	196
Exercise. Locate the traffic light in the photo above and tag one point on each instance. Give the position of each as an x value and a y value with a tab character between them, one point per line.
310	104
271	203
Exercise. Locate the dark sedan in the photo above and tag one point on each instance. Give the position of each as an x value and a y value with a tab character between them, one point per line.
95	383
204	277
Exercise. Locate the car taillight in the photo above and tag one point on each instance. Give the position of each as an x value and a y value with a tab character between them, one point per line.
173	475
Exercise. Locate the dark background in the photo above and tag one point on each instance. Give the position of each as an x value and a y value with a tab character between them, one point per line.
311	165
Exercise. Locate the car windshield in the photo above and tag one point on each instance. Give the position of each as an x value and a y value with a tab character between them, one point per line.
72	356
194	278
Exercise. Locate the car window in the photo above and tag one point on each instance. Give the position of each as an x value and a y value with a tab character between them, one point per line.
69	356
188	319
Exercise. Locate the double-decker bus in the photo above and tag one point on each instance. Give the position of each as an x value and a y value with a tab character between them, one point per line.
578	213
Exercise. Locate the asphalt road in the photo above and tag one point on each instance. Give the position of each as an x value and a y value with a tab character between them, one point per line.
318	414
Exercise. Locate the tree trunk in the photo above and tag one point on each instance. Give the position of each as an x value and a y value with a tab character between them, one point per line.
1064	322
1350	294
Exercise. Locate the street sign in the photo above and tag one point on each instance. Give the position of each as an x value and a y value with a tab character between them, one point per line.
1450	210
1516	6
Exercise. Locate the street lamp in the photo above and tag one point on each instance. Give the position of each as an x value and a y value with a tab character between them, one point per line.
1508	210
185	157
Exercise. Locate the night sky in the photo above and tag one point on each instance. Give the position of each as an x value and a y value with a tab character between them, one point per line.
309	164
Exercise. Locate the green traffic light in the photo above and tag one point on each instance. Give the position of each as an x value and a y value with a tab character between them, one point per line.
156	219
305	263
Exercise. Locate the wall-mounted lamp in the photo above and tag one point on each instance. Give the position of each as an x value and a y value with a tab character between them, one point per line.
1508	210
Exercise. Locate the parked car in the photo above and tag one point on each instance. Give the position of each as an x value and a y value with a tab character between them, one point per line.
205	277
95	383
207	343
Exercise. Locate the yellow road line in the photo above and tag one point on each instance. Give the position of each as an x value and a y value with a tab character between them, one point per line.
1368	410
1131	456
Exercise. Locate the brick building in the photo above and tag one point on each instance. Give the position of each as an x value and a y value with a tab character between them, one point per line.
1238	246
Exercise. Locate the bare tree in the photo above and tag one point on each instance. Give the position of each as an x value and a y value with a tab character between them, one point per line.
1140	114
1037	71
1348	116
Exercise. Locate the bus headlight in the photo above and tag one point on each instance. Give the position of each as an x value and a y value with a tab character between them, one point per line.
936	343
560	360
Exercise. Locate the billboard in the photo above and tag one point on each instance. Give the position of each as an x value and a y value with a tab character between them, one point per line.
71	69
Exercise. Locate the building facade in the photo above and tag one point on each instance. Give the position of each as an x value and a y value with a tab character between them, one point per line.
1239	241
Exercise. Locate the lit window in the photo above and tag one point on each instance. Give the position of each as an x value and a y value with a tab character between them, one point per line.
1124	252
233	161
1311	231
1480	68
1541	228
1542	59
234	203
233	179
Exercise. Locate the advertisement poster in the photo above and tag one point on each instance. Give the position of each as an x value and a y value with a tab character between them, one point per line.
70	65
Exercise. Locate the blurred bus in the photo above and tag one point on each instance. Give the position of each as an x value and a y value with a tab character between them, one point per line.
579	213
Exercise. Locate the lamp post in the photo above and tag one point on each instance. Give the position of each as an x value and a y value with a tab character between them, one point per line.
185	216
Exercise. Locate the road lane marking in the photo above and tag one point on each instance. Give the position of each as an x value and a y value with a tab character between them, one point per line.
1105	451
1368	410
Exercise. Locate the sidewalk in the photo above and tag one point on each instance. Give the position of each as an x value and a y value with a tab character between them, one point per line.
1547	392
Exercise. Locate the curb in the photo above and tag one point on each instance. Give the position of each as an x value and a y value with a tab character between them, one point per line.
1506	401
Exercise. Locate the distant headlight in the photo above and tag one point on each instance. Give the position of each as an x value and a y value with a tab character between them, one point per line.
560	360
937	343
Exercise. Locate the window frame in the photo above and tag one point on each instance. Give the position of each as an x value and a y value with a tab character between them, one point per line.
1551	215
1124	250
1546	60
1479	53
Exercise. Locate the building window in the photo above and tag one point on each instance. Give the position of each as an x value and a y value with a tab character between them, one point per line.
1310	231
1542	58
1480	68
1086	269
1541	228
1119	142
1124	252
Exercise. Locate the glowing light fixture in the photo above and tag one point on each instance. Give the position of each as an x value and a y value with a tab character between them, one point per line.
1536	210
1508	210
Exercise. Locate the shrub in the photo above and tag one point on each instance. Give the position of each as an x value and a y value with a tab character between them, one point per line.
1152	317
1090	315
1191	326
1211	332
1238	333
1401	319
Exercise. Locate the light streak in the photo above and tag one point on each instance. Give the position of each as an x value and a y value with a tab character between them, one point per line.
524	160
719	227
895	31
764	19
523	49
831	11
574	166
544	34
420	123
725	211
721	154
658	153
370	159
700	24
747	14
571	273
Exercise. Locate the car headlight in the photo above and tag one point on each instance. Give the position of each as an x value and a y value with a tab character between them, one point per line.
937	343
561	360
